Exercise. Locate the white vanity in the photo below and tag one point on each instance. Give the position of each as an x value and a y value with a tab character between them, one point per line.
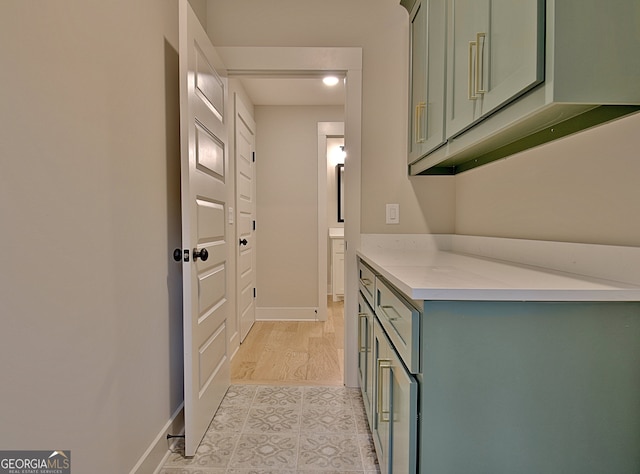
336	236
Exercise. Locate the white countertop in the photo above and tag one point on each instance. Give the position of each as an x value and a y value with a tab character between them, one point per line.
432	274
336	232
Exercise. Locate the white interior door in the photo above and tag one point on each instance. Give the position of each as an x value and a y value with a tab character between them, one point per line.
203	132
246	211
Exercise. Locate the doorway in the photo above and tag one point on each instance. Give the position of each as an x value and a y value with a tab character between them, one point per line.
247	61
305	352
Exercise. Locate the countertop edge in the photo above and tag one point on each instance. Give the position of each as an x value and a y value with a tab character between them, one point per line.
618	291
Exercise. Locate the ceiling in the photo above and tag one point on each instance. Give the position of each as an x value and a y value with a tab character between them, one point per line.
293	91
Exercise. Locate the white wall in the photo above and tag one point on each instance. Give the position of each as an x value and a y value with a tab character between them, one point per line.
287	204
91	339
583	188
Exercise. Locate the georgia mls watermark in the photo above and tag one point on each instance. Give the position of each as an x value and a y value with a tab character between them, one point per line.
35	462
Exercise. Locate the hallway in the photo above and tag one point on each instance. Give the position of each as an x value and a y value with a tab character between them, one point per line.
296	352
287	410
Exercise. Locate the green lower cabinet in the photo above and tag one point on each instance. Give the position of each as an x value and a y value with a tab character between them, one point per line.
365	355
530	388
503	387
395	414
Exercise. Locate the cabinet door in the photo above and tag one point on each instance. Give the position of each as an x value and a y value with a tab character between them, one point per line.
513	57
365	355
495	53
404	418
396	407
381	429
427	88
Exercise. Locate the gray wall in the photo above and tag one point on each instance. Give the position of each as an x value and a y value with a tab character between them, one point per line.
91	339
583	188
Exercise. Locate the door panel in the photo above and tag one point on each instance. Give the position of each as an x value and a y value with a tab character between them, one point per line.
404	419
245	202
204	202
209	153
496	51
428	72
515	52
382	402
466	19
365	371
395	425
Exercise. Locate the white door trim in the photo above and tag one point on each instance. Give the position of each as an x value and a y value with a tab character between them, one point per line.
247	60
325	130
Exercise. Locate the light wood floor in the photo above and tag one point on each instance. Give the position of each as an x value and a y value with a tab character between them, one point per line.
297	352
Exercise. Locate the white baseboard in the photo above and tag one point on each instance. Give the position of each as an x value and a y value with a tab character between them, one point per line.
287	314
157	453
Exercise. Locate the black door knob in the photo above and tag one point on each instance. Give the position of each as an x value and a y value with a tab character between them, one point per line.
177	255
244	242
202	254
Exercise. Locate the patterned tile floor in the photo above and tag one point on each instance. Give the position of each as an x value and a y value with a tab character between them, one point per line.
285	430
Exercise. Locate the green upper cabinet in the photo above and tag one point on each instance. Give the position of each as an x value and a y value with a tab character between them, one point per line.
427	88
490	78
495	53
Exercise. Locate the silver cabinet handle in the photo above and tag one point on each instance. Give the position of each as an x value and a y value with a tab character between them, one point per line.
471	75
361	348
420	109
382	364
475	73
481	39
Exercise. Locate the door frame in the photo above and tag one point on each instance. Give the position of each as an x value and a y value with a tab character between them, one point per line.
325	130
300	61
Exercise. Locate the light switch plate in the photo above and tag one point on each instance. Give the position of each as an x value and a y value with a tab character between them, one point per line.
393	213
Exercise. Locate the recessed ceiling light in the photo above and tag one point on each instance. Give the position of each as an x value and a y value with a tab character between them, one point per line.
330	80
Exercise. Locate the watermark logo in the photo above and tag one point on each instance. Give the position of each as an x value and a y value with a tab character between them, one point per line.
35	462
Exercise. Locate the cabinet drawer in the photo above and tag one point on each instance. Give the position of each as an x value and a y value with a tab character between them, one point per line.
338	246
366	282
401	321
